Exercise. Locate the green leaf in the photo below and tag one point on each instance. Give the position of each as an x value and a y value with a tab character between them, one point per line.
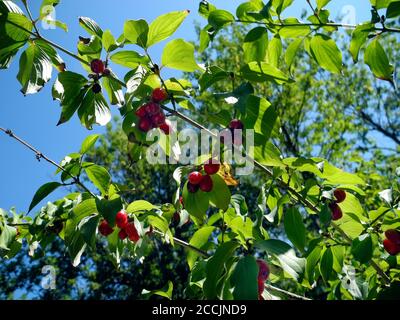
294	228
215	268
88	229
220	195
244	279
289	262
255	45
262	72
362	248
94	109
312	260
89	143
17	27
140	206
249	11
7	53
114	90
291	51
165	292
197	203
260	116
108	209
91	26
108	41
212	75
205	8
129	59
293	29
220	18
165	26
99	176
358	39
380	4
42	193
281	5
35	69
393	10
198	240
274	51
179	54
377	60
7	237
326	53
326	264
136	31
322	3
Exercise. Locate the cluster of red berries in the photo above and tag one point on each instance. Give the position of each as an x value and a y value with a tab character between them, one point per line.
99	69
127	229
151	115
392	242
340	196
235	124
263	274
197	180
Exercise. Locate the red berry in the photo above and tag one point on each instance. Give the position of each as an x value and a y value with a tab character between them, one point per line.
97	66
96	88
261	286
192	188
206	184
121	219
132	232
195	177
391	247
393	236
145	124
181	201
263	270
158	119
236	124
105	229
211	168
159	95
152	108
177	217
166	127
106	72
141	112
122	234
340	195
336	211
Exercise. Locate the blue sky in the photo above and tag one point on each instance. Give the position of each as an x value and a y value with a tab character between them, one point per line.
34	117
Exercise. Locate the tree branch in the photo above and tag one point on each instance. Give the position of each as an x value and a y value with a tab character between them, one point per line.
40	155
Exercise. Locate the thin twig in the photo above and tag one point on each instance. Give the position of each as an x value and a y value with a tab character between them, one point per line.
40	155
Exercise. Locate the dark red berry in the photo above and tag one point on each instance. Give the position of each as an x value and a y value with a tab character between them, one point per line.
97	66
393	236
177	217
166	127
141	112
236	124
159	95
122	234
152	108
263	270
211	168
206	184
336	211
181	201
261	286
391	247
158	119
145	124
106	72
105	229
192	188
96	88
340	195
121	219
195	177
132	232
